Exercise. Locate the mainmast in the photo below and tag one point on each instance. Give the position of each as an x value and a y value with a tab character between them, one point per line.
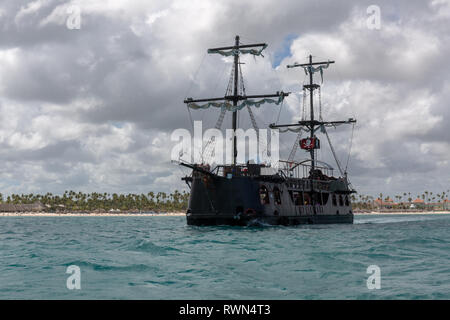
311	87
236	50
312	123
235	100
311	102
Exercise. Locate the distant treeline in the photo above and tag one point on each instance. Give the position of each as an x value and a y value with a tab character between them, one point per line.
72	201
405	200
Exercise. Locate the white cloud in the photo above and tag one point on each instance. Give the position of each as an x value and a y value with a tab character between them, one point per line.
93	109
151	18
31	8
442	7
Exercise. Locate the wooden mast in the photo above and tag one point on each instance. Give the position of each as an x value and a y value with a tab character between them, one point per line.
235	100
236	97
311	123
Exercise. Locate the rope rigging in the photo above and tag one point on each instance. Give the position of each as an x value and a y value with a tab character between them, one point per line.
299	135
322	128
332	150
235	97
210	145
350	148
252	116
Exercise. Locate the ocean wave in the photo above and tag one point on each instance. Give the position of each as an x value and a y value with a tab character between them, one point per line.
109	267
146	258
152	248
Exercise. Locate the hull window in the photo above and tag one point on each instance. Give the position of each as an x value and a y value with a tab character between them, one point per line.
307	199
310	197
334	200
317	198
277	195
264	195
298	198
341	201
347	202
325	198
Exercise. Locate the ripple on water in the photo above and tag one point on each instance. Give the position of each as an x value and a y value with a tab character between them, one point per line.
154	249
162	258
111	267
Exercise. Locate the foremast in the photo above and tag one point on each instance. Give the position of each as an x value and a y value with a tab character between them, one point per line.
236	50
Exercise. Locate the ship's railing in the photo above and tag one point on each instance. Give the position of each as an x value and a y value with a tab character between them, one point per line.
286	169
302	169
296	174
249	169
305	184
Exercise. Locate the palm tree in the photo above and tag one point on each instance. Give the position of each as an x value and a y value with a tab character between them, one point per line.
79	201
381	200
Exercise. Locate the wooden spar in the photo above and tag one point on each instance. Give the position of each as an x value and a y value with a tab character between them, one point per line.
238	46
306	123
239	97
236	97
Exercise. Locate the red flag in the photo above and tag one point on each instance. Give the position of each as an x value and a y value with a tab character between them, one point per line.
308	143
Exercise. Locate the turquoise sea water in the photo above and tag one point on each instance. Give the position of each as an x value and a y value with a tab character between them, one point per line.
162	258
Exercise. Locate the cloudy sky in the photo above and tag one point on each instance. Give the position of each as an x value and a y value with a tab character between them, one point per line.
93	109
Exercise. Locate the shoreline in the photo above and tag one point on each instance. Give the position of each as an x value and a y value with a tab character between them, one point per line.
87	214
401	212
179	214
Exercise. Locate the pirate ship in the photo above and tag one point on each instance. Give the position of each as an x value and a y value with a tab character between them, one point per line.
297	192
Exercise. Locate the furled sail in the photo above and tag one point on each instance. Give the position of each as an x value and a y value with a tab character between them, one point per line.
235	52
311	70
229	106
298	129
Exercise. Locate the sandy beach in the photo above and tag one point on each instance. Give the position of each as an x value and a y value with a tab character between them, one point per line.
172	214
74	214
402	212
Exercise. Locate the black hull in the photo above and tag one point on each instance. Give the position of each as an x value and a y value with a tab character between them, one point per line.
213	220
239	202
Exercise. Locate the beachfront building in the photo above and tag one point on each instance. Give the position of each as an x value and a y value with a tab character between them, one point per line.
32	207
418	204
384	204
430	206
436	206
